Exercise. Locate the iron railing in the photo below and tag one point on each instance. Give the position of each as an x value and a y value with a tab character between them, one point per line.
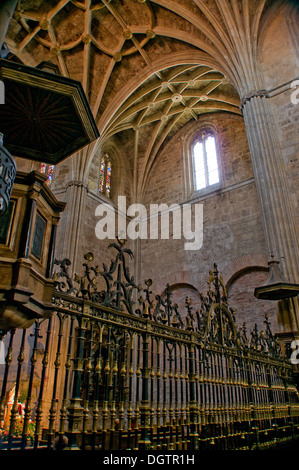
116	367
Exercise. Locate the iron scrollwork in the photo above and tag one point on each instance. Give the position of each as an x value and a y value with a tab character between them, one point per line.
213	322
7	176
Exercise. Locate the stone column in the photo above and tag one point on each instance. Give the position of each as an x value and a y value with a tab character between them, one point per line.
271	183
272	186
70	242
7	7
70	230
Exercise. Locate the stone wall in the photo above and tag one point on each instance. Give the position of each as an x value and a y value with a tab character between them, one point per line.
76	182
232	229
279	60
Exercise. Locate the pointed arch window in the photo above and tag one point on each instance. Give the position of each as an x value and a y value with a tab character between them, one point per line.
205	160
48	170
105	175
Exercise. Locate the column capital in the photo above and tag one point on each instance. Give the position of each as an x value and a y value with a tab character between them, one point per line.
77	183
253	94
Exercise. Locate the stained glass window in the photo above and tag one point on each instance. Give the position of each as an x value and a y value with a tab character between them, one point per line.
108	179
47	170
102	175
205	161
105	175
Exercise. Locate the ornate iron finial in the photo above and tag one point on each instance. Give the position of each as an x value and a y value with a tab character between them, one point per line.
62	280
121	241
148	282
89	256
214	320
188	304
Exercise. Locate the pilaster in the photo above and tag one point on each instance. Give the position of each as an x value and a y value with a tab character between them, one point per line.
272	185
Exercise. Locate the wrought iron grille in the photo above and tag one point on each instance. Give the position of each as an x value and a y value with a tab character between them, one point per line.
116	367
7	176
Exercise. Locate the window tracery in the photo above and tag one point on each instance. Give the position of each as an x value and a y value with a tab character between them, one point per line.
48	170
105	175
205	160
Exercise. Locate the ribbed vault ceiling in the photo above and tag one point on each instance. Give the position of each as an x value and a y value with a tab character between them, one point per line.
145	65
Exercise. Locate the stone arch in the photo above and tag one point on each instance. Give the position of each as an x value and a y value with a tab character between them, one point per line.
175	59
292	19
242	263
249	309
243	272
179	292
121	172
288	12
279	31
